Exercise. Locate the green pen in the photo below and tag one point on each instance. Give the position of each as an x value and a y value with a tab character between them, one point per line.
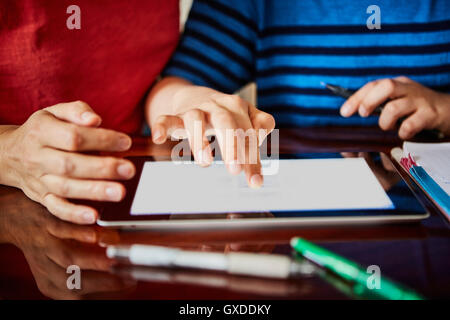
351	271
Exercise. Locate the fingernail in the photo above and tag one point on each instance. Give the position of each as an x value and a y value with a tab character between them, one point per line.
345	109
201	158
113	193
88	217
256	181
124	143
86	116
204	157
207	155
363	111
125	170
235	167
157	135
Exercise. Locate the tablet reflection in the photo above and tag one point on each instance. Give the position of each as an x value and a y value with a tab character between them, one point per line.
261	247
381	166
228	216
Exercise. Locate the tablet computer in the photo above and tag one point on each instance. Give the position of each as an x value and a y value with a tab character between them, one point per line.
302	189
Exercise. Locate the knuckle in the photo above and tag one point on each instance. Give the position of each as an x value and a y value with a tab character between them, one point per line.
42	114
34	131
238	103
234	99
392	109
358	95
36	115
223	116
403	78
108	167
208	105
29	163
372	84
194	114
80	104
390	85
49	203
66	166
104	138
73	138
34	124
64	187
97	190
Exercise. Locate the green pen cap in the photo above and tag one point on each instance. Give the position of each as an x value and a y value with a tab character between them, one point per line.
351	271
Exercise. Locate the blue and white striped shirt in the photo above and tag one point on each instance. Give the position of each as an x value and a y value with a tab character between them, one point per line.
289	46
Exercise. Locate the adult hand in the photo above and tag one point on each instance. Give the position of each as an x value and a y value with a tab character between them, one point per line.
422	107
51	245
44	157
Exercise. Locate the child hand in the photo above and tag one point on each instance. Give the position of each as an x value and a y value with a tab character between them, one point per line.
198	109
422	107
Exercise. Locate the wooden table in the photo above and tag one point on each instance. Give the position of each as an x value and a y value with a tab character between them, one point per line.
36	248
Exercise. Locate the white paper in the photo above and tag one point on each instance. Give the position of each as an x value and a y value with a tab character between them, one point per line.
434	158
299	185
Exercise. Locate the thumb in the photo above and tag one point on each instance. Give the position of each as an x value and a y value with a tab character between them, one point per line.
77	112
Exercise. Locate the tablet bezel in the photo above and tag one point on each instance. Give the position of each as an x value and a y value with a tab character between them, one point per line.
118	215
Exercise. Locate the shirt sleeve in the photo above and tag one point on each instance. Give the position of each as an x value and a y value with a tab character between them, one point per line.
218	45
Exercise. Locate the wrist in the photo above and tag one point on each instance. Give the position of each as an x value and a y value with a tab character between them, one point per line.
7	176
443	114
5	235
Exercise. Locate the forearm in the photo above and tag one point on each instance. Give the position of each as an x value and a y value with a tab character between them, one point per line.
6	174
160	99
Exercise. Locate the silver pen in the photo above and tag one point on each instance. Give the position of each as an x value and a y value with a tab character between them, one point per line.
237	263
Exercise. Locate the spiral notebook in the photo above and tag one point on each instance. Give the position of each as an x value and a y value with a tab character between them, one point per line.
429	165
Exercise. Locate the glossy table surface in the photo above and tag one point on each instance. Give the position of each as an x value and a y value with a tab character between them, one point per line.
36	248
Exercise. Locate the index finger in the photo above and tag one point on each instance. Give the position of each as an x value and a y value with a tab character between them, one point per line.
262	122
352	104
225	128
380	93
77	112
70	137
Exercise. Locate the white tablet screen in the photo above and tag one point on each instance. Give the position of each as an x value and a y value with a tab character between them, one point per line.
299	185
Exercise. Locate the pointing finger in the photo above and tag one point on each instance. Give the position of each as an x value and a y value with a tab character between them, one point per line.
77	112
